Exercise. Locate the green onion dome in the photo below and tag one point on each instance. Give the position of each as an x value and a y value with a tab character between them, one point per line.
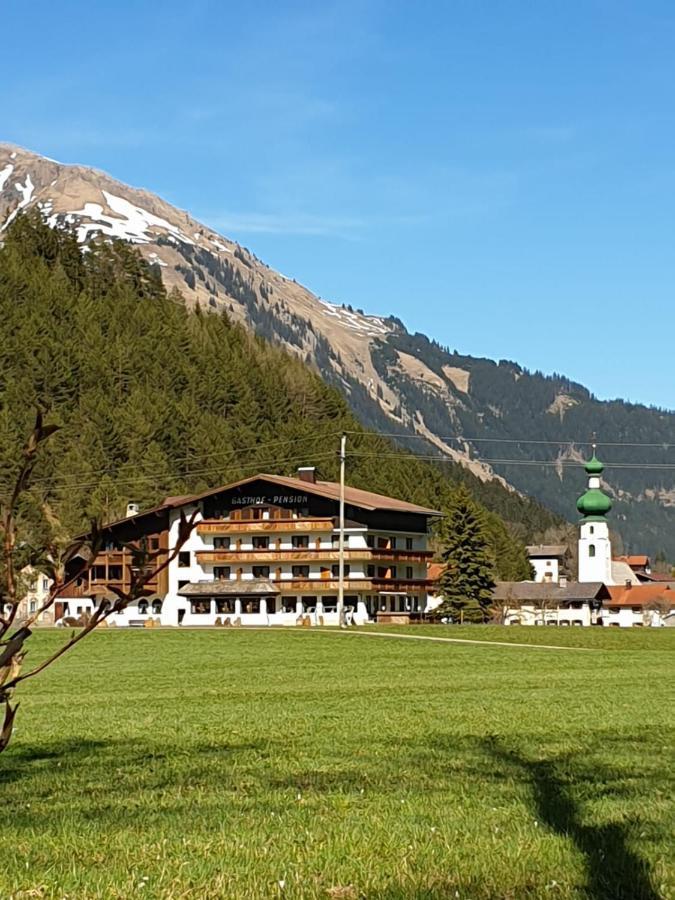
594	466
594	503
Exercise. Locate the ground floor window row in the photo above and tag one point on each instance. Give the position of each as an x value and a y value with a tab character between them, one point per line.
302	604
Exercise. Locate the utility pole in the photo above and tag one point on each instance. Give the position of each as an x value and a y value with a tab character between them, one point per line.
341	545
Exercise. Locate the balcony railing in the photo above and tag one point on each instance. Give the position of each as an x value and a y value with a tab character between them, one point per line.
264	526
310	554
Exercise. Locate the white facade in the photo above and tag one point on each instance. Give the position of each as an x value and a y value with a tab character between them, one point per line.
595	551
545	568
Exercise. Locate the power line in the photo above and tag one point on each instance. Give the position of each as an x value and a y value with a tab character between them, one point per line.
515	462
194	472
63	479
664	445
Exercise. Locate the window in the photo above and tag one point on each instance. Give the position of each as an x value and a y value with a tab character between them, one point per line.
261	571
408	572
308	604
156	607
153	543
200	607
251	605
115	573
288	604
45	584
98	573
271	603
221	543
592	529
225	605
261	543
408	543
142	607
591	550
300	571
370	571
32	606
184	558
300	541
370	540
392	543
221	573
336	570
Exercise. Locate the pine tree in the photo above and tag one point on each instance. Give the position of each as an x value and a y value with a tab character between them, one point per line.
467	578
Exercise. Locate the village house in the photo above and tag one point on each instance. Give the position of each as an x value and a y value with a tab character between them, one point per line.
548	561
265	551
613	591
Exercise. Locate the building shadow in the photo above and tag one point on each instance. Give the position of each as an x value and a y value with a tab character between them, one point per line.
613	870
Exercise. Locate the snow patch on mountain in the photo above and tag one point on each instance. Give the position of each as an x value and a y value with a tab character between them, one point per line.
132	223
26	191
369	326
4	174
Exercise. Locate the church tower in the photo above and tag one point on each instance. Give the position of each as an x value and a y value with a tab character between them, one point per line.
595	548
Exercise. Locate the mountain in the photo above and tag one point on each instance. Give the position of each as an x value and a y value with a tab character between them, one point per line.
524	430
151	399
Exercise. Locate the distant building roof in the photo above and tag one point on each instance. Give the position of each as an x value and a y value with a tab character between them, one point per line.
551	592
640	595
622	572
555	550
434	570
637	561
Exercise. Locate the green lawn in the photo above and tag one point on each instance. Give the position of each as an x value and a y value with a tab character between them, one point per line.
233	763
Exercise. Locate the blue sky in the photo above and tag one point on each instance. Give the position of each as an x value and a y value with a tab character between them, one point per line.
501	176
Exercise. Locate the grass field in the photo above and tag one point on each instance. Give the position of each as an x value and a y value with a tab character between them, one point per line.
233	763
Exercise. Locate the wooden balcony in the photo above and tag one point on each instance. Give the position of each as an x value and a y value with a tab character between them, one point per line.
309	555
265	526
402	585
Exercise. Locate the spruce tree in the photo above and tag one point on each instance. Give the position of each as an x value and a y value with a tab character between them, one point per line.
467	578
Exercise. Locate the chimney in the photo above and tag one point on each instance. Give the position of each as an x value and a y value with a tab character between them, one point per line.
629	584
307	473
562	580
132	509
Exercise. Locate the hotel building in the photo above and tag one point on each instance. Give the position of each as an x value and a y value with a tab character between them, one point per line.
265	551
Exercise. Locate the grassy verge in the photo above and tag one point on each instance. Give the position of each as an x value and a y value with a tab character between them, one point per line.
213	764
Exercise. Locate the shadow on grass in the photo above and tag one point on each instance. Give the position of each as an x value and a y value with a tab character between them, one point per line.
614	871
558	785
77	756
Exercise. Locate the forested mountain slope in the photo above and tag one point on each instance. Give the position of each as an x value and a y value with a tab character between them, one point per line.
478	412
155	400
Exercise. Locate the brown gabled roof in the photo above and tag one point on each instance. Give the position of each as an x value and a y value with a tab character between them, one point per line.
331	489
